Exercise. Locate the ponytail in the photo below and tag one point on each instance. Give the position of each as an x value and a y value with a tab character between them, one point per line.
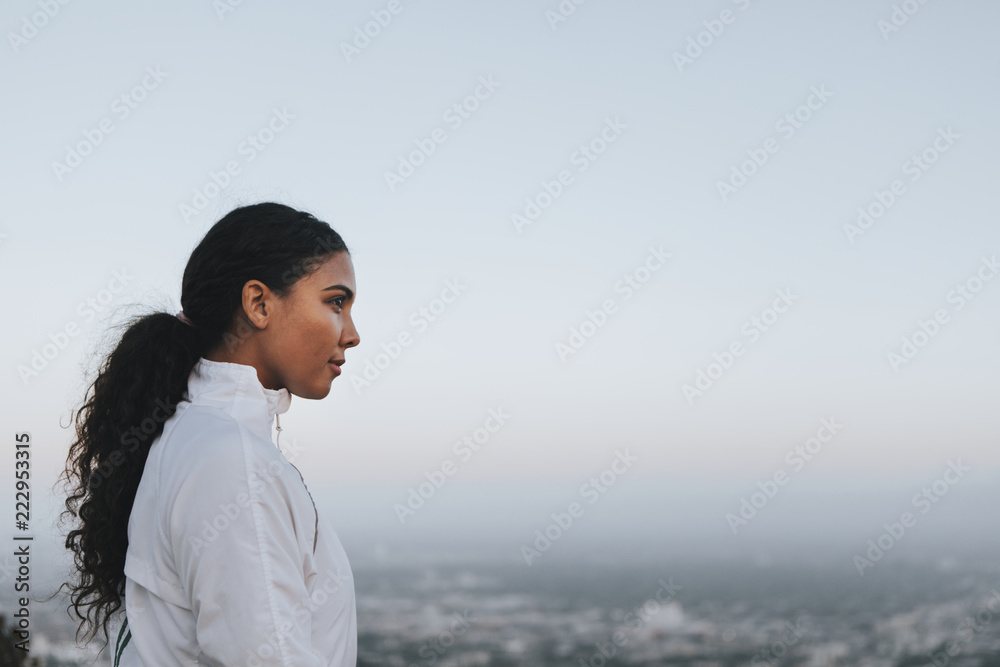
136	390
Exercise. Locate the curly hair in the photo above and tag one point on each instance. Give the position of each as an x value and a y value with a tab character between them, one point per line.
140	382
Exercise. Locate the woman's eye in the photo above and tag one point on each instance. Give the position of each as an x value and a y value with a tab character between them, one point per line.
336	301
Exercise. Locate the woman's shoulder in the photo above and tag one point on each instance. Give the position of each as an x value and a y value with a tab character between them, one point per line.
215	461
209	444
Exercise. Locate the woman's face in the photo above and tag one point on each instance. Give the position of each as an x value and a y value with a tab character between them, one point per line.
309	329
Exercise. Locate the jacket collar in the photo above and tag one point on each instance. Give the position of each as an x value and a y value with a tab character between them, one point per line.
236	389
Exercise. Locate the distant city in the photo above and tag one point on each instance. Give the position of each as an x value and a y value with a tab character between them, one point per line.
462	612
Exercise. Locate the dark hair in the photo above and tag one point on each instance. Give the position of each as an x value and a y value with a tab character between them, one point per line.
140	382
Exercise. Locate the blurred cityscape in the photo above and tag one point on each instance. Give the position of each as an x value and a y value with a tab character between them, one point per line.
462	613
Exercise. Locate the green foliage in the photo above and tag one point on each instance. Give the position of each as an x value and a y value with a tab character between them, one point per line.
10	655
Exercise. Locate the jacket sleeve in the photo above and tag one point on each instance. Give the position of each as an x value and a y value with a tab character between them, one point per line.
238	528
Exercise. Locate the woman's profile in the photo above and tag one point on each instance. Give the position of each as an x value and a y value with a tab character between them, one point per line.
196	536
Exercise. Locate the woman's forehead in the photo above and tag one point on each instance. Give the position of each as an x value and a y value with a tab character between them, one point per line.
336	270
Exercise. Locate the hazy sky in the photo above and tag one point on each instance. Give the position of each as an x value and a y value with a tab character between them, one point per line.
738	139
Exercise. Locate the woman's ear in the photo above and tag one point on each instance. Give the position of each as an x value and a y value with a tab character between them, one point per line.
258	303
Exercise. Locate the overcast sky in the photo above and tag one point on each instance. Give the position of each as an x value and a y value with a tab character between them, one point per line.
773	213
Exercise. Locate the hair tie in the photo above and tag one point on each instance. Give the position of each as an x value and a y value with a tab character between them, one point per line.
183	318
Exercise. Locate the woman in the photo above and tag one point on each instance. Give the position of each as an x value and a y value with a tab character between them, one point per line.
189	514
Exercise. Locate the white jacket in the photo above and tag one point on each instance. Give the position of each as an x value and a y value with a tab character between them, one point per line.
228	561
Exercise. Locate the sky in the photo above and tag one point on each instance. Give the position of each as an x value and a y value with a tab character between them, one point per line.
702	233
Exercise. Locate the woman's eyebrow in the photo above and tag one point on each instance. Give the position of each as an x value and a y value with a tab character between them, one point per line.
350	294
